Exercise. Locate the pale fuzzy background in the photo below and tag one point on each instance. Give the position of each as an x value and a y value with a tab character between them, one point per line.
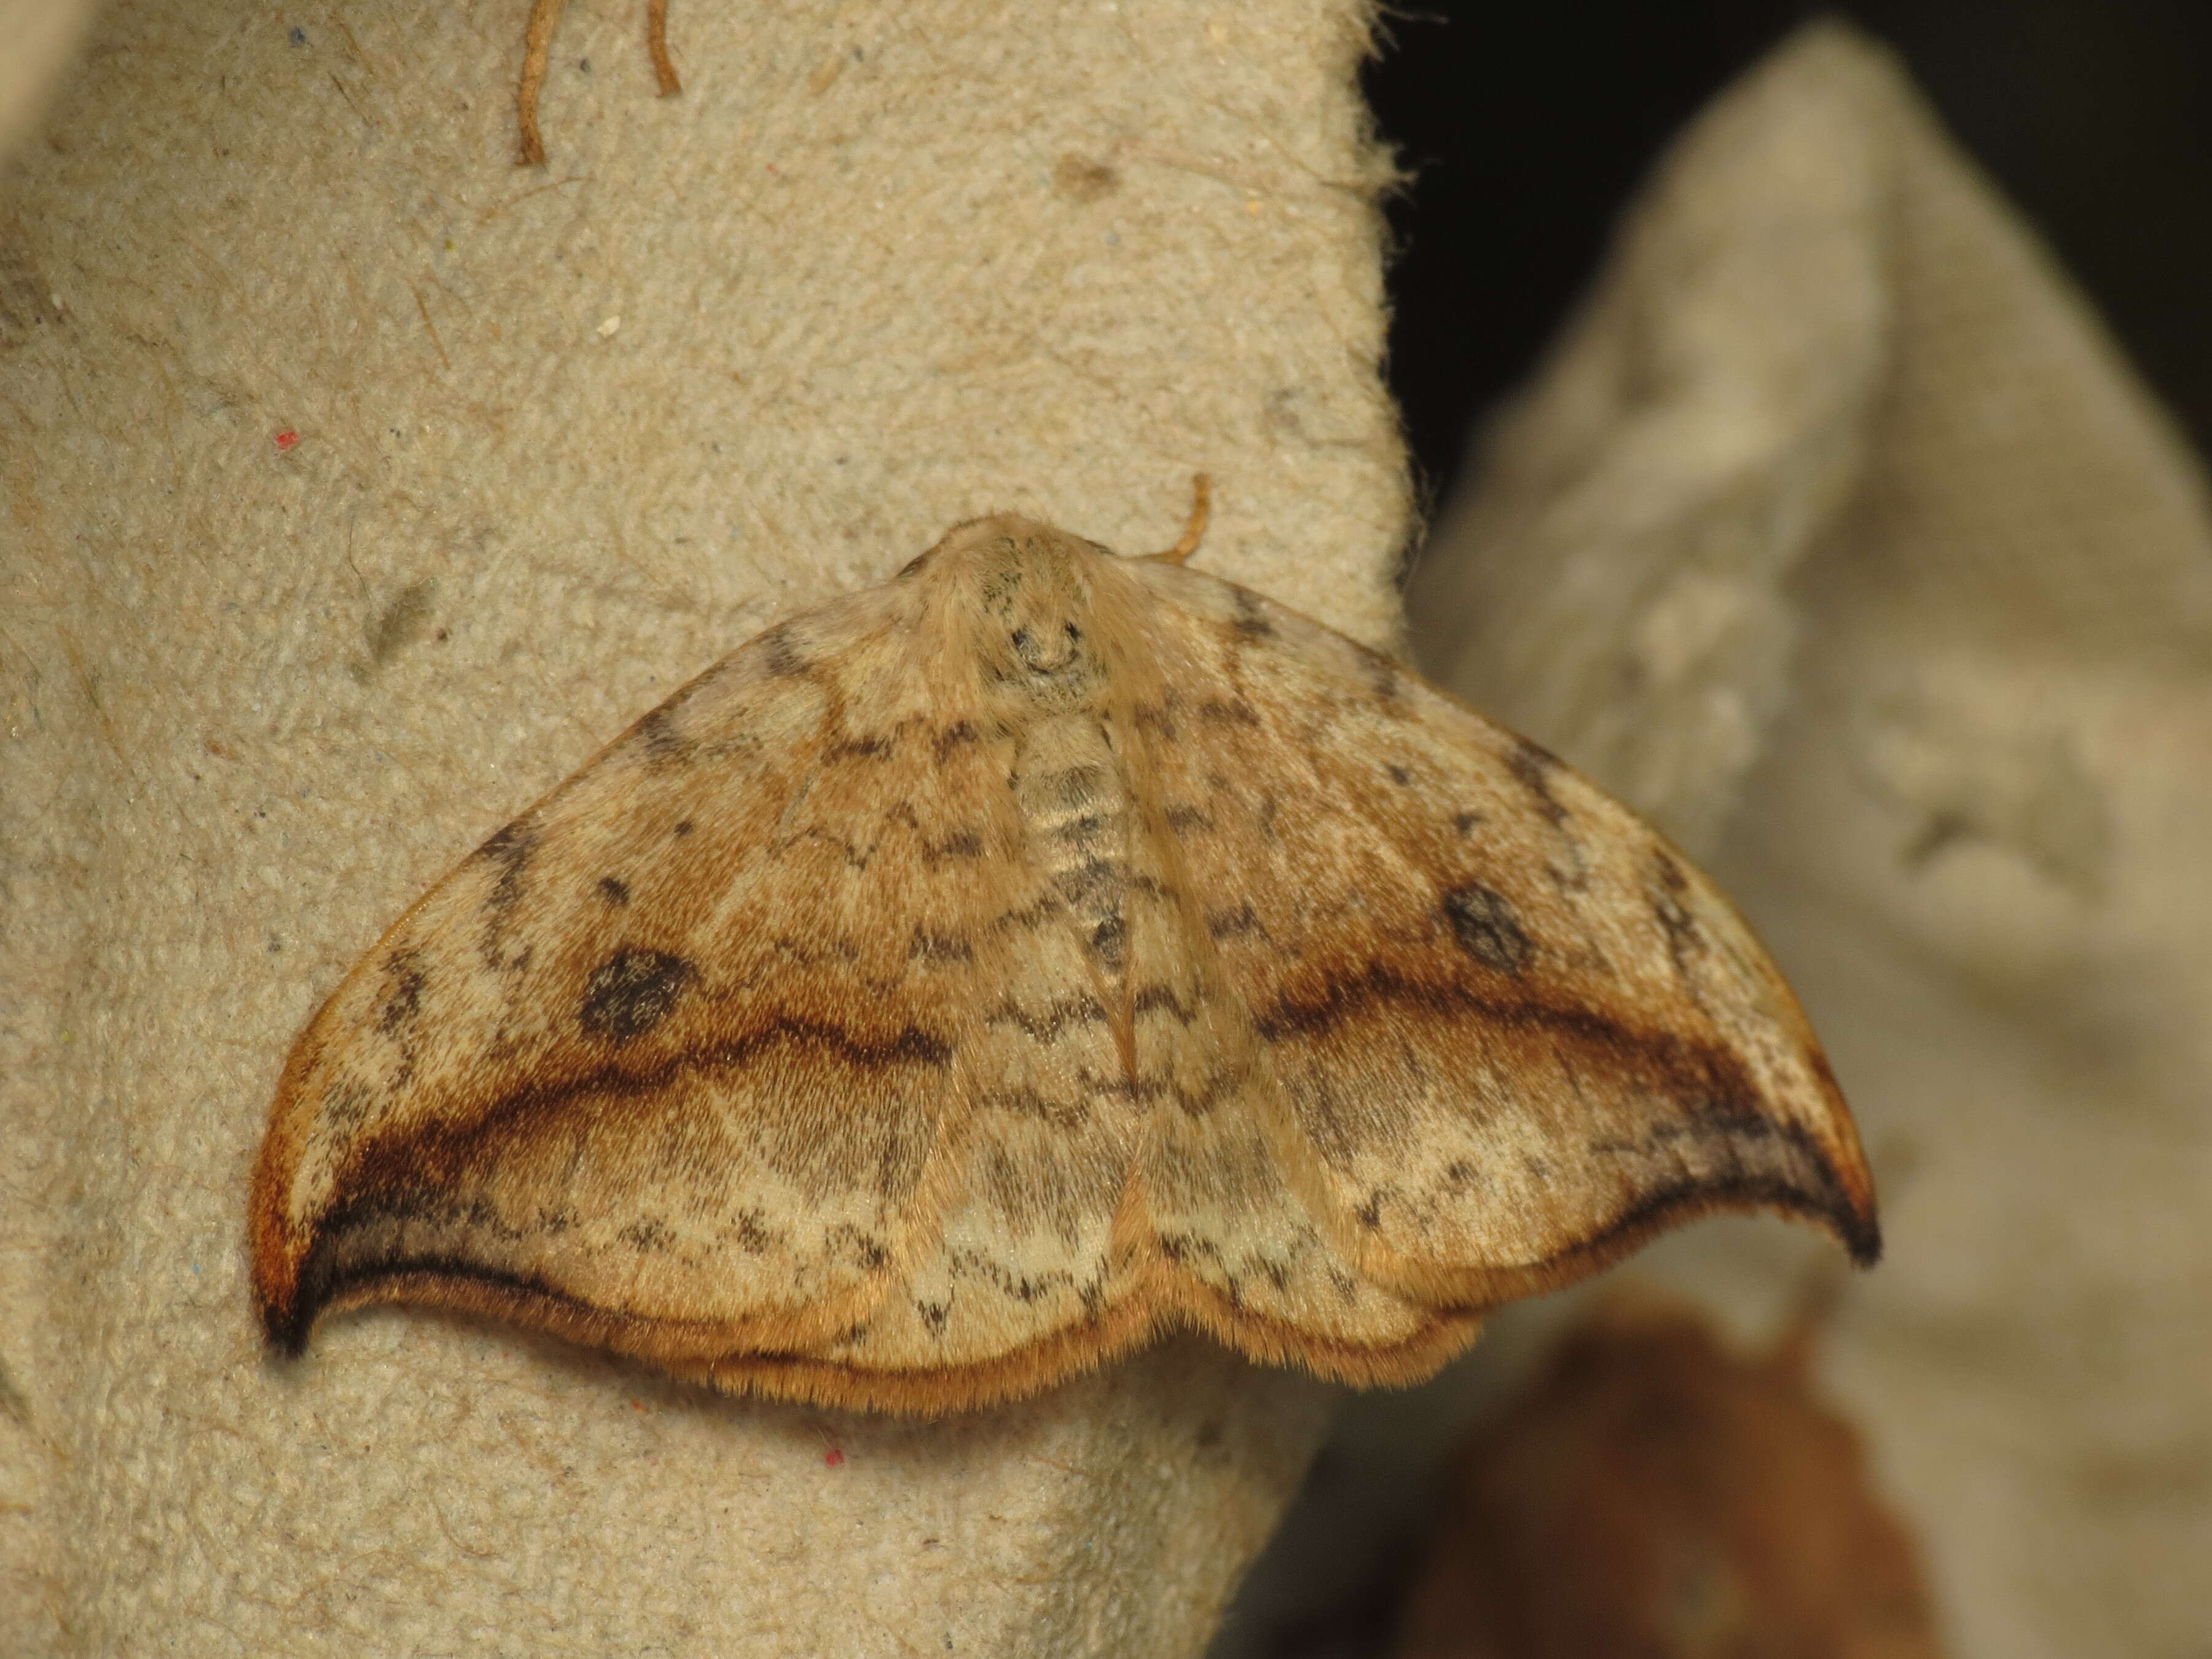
561	438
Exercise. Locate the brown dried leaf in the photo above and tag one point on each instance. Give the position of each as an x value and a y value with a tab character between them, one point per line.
1656	1497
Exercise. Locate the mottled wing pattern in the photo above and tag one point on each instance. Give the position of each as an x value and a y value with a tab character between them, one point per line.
966	980
1515	1031
681	1060
1238	1207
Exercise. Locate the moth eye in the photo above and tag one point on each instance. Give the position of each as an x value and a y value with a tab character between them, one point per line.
1020	639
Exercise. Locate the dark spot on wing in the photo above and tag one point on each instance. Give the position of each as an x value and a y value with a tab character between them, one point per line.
1027	1102
961	844
1047	1027
346	1106
403	1001
1161	996
1081	831
1032	916
1251	622
648	1235
1233	924
1675	919
657	736
753	1234
866	1251
1534	764
1382	676
632	992
781	652
614	891
1094	881
1077	786
928	946
1483	921
510	849
951	738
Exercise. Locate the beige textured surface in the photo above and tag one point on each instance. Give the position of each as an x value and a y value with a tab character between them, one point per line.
561	438
1838	535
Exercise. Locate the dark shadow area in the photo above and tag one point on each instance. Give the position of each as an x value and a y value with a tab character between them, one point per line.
1526	129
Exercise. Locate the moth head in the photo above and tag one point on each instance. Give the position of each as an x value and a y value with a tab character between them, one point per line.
1028	593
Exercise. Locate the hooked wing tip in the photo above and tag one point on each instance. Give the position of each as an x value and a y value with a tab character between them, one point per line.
1831	1203
285	1317
286	1330
1861	1236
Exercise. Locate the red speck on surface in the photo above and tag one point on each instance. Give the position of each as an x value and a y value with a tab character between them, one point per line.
286	440
833	1457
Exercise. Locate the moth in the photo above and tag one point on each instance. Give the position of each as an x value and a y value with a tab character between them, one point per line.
971	979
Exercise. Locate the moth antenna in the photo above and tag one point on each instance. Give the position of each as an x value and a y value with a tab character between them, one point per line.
656	42
1201	509
537	55
537	51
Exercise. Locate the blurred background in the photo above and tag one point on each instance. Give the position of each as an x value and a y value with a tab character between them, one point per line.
1524	129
